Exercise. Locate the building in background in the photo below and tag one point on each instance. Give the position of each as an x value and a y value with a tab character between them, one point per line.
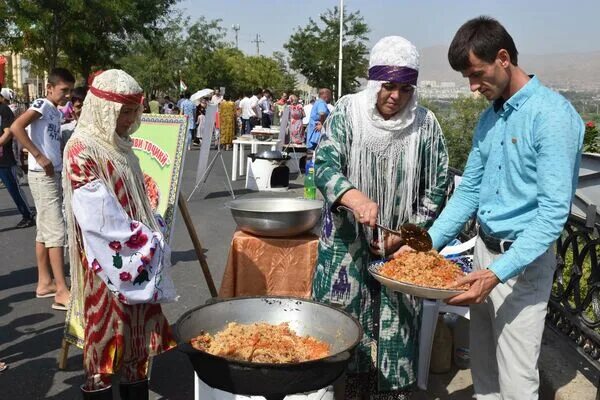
14	74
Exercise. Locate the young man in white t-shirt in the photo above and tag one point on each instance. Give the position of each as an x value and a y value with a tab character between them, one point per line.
42	139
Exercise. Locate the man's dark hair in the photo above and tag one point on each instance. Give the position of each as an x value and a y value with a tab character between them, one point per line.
227	97
152	97
60	75
485	37
258	91
78	94
187	94
167	98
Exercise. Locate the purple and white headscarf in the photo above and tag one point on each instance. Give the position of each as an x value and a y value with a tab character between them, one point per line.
393	59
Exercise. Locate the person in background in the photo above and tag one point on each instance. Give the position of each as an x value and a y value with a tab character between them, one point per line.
188	108
168	106
8	163
66	111
43	142
181	99
518	182
279	107
217	97
247	113
318	115
307	110
266	108
154	105
296	116
77	97
238	115
227	121
200	119
256	116
384	157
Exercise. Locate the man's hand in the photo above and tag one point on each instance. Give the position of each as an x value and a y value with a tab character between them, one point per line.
45	163
482	283
403	249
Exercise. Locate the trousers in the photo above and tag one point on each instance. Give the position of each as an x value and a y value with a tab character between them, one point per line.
8	176
506	329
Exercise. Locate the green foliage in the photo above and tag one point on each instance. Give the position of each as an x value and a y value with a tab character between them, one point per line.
458	123
154	59
79	34
200	56
314	50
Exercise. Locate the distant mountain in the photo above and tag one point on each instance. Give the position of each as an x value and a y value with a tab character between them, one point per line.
574	71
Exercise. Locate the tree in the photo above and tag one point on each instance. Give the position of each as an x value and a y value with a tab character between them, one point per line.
202	57
290	81
458	124
86	33
314	50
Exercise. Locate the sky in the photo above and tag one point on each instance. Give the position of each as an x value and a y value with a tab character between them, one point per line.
538	27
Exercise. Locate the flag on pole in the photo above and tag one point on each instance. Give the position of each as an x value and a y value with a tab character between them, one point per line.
182	86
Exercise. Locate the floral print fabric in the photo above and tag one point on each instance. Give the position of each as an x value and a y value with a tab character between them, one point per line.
120	251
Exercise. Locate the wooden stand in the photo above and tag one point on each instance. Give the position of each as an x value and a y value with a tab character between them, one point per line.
189	224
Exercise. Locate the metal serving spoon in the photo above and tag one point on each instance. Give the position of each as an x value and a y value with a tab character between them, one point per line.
410	234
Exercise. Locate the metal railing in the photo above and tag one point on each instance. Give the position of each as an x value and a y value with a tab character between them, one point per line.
574	306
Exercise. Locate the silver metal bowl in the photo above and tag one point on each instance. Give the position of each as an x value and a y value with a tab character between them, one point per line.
278	217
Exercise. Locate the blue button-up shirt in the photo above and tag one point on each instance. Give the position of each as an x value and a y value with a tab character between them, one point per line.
313	136
520	176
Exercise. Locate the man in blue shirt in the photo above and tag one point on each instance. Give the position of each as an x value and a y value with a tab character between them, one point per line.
318	115
188	108
519	181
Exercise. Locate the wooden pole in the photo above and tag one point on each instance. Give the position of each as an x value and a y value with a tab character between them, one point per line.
185	214
63	355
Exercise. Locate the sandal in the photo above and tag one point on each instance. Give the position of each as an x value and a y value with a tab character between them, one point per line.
3	366
45	295
59	307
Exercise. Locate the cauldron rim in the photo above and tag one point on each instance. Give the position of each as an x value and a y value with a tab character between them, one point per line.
188	348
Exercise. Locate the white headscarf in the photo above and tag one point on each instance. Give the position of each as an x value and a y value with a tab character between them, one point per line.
99	116
385	155
391	51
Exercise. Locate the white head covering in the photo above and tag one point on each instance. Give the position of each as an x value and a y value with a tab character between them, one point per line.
99	116
7	93
398	52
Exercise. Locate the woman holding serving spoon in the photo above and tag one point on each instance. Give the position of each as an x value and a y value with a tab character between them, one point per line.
384	158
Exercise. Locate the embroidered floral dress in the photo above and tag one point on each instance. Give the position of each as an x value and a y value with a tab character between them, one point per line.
116	254
387	354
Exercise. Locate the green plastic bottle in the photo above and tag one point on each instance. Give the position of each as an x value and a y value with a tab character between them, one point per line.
310	190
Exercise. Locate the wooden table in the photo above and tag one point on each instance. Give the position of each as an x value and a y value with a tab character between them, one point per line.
270	266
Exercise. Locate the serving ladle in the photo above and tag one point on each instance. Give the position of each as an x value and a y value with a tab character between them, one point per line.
410	234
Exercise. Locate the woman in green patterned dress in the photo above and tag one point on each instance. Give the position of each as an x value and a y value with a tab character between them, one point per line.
384	157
